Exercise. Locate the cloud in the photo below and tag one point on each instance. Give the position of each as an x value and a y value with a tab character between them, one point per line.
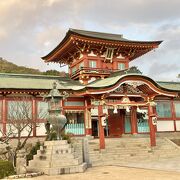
30	29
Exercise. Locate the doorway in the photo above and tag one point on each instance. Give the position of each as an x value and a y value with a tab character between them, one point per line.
116	122
95	124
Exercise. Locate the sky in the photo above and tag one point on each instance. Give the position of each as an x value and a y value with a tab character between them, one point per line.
30	29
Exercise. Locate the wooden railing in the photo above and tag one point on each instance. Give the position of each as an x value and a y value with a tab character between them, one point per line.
92	70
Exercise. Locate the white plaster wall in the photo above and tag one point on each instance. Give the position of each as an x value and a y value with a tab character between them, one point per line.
13	131
40	129
10	129
178	125
26	131
165	125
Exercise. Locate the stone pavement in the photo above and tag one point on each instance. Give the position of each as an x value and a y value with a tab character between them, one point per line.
168	169
115	173
169	164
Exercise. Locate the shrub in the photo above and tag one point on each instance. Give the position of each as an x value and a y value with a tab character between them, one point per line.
6	169
33	151
67	137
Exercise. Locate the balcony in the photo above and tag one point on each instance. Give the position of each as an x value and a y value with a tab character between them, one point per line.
93	72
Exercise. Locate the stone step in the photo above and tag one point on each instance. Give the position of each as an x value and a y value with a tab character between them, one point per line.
55	143
54	163
64	146
59	156
60	170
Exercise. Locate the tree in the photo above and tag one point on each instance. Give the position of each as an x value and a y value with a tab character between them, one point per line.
55	73
20	121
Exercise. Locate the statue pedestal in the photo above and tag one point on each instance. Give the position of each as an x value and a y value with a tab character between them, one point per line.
57	157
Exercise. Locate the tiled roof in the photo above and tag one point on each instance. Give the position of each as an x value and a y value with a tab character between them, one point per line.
22	81
99	35
170	85
41	82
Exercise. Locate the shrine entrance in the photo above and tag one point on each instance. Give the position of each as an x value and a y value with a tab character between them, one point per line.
115	123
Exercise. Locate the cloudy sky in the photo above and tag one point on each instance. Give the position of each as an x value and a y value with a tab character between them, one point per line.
29	29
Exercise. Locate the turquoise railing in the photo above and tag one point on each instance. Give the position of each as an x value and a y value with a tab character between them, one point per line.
76	129
143	127
127	125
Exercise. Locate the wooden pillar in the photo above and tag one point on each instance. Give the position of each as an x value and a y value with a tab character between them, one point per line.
4	115
134	120
101	129
173	114
34	115
151	127
87	118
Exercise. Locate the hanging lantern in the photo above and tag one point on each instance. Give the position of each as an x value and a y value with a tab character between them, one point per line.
127	109
115	110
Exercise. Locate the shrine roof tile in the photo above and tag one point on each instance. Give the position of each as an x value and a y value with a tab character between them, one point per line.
170	85
27	81
99	35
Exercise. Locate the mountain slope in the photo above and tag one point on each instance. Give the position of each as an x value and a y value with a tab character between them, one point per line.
8	67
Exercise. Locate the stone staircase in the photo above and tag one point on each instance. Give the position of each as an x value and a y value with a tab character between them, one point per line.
122	151
57	157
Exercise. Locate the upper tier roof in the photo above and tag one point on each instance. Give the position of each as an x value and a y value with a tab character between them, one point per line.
99	35
77	41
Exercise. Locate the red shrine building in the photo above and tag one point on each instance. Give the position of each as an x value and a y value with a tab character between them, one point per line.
107	97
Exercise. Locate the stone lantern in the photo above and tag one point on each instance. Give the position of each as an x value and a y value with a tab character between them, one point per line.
55	117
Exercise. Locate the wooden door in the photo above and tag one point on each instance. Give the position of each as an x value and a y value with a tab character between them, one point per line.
116	123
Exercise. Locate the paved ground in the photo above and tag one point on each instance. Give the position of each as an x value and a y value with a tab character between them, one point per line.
116	173
172	164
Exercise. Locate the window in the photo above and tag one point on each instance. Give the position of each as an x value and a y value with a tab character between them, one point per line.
163	109
42	109
121	66
81	65
177	109
75	118
74	103
109	53
19	110
92	64
74	70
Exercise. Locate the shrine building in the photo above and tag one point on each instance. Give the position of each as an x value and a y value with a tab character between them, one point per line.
107	97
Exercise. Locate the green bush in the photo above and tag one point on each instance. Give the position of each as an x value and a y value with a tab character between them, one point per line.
6	169
67	137
33	151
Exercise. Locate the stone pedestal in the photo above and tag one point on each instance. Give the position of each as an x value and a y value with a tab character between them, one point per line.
57	157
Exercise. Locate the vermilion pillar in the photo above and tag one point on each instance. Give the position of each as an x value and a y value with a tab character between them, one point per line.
133	120
101	129
151	127
34	116
4	114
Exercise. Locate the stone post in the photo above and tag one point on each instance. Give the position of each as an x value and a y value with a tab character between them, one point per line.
21	162
86	151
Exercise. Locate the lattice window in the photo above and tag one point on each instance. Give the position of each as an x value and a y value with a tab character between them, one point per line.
92	64
177	109
163	109
121	66
109	53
